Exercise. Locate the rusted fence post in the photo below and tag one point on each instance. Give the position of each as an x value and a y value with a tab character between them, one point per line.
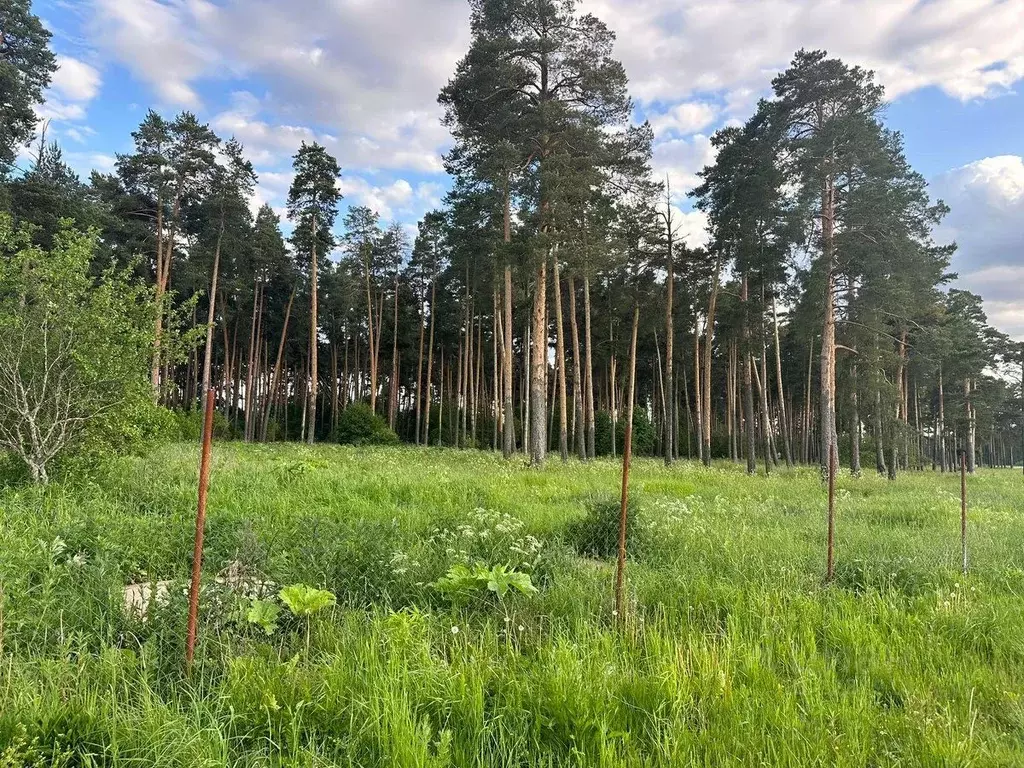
197	552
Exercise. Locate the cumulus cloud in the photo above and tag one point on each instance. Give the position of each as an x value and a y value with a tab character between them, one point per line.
74	85
680	159
986	200
161	43
686	118
968	48
75	80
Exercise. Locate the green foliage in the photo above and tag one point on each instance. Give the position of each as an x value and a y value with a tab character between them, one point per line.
597	534
264	614
644	437
26	66
359	425
76	368
463	582
303	600
727	605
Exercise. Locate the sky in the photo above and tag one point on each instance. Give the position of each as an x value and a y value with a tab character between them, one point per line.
362	78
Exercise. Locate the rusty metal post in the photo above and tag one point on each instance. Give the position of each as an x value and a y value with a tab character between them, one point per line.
830	556
963	509
197	552
627	455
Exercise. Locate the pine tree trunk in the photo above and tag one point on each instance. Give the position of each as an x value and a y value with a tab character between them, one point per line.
393	386
588	373
419	380
880	464
427	393
971	436
508	445
748	384
670	442
539	366
563	411
579	397
709	335
786	433
855	468
829	435
698	394
277	365
314	343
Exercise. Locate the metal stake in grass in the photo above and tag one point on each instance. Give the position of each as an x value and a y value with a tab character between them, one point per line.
197	552
627	454
830	555
963	508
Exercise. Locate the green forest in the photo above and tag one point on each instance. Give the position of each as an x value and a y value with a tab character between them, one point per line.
419	528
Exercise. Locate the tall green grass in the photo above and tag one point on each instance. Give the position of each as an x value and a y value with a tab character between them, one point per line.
733	653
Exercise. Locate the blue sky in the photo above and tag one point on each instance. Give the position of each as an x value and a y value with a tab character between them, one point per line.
362	76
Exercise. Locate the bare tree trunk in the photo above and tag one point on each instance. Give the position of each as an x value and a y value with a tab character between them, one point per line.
627	453
497	334
393	393
430	369
588	384
314	342
539	367
709	334
855	468
748	385
579	397
277	365
880	464
829	437
334	386
971	437
670	442
419	378
787	437
508	445
698	394
211	312
563	411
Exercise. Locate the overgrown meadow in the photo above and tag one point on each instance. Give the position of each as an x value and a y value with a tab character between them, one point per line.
733	651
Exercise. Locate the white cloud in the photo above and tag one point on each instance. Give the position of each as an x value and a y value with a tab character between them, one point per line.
691	227
968	48
55	109
986	200
681	159
73	86
160	42
75	80
686	118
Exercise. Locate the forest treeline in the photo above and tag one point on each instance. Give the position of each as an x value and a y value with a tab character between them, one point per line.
820	316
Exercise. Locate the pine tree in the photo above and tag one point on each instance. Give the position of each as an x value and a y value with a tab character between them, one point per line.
313	206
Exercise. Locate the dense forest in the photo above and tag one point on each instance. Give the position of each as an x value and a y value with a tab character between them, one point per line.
820	316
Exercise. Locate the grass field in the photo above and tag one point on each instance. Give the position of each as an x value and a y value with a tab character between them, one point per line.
733	652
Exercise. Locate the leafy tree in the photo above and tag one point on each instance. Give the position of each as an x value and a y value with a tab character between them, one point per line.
26	66
74	351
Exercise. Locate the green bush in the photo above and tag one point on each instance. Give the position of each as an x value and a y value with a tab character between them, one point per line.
643	434
597	534
75	351
359	425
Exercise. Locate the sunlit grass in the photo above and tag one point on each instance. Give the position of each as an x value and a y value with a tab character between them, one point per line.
734	651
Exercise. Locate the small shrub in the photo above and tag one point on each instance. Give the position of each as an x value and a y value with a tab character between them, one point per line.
597	534
359	425
463	583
